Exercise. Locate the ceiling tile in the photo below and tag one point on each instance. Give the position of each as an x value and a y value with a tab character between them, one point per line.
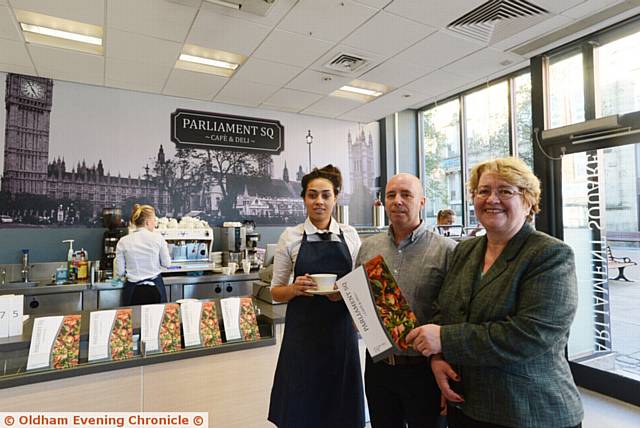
28	70
189	84
274	16
482	63
87	11
332	106
261	71
8	25
291	48
245	93
437	50
291	99
533	32
135	75
395	73
316	82
140	48
162	19
436	83
378	4
433	12
211	30
15	53
326	20
589	8
387	34
558	6
65	64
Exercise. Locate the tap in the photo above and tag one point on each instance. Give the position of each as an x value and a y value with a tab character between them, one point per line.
4	276
25	266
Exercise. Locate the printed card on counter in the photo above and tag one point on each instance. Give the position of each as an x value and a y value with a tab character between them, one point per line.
11	307
239	318
200	325
110	335
160	328
55	342
392	313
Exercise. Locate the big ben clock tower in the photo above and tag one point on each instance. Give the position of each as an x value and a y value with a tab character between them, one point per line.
26	146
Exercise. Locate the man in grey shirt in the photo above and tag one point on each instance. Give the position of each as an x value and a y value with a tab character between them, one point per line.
401	390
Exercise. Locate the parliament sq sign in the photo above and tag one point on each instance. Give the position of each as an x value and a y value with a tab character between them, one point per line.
193	129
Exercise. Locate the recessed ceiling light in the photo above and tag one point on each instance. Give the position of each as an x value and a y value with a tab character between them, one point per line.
51	32
226	4
361	91
208	61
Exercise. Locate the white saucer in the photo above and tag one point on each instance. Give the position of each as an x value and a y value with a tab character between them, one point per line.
323	292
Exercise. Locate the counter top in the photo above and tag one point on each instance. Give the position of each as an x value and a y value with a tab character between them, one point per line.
15	350
82	286
275	313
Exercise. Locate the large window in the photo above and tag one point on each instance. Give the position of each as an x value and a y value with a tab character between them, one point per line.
566	89
596	208
618	76
443	187
487	130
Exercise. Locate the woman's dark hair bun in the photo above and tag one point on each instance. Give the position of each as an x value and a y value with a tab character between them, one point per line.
328	172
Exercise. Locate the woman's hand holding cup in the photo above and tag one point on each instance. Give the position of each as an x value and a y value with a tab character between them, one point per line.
302	284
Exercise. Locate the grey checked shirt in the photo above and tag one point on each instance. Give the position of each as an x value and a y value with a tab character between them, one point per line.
419	264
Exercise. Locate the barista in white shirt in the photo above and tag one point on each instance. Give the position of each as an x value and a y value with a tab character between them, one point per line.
139	257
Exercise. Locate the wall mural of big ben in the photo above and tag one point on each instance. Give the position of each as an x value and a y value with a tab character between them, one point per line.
64	163
26	154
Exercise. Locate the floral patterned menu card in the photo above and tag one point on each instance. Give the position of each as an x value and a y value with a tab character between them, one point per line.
55	342
393	309
200	325
160	328
239	318
110	335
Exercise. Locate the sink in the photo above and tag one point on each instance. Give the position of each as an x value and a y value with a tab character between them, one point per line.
15	285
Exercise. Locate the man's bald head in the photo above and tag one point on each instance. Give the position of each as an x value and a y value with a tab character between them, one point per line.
404	199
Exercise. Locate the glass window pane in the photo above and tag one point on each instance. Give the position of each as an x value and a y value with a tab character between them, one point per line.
486	115
600	193
566	92
618	76
522	111
441	125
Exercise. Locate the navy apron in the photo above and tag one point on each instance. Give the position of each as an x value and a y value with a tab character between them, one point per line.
137	293
318	382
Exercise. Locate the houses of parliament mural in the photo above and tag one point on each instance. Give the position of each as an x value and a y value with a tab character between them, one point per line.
215	185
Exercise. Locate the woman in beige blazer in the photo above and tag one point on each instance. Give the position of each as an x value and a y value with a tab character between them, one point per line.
503	314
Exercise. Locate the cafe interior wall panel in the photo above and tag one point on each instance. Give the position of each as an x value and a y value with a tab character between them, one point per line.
233	388
112	391
68	150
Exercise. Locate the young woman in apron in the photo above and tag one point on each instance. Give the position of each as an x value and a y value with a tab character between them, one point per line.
139	256
318	382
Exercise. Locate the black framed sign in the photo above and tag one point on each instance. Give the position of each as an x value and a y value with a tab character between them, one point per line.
204	130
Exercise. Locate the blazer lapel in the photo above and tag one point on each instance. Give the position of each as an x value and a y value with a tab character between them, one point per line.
471	269
502	263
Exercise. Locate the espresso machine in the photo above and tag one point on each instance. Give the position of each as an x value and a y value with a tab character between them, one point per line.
252	240
233	237
112	220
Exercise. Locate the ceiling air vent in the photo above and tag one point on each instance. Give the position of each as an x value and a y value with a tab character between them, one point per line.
480	23
346	63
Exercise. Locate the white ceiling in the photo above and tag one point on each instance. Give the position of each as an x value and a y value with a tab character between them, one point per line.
407	43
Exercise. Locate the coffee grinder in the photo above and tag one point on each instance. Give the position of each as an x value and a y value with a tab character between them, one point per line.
112	220
233	237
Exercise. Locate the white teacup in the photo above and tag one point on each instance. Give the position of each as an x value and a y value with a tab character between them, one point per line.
227	270
324	281
233	266
246	266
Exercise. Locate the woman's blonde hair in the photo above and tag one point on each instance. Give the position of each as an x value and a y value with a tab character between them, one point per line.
141	213
515	172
